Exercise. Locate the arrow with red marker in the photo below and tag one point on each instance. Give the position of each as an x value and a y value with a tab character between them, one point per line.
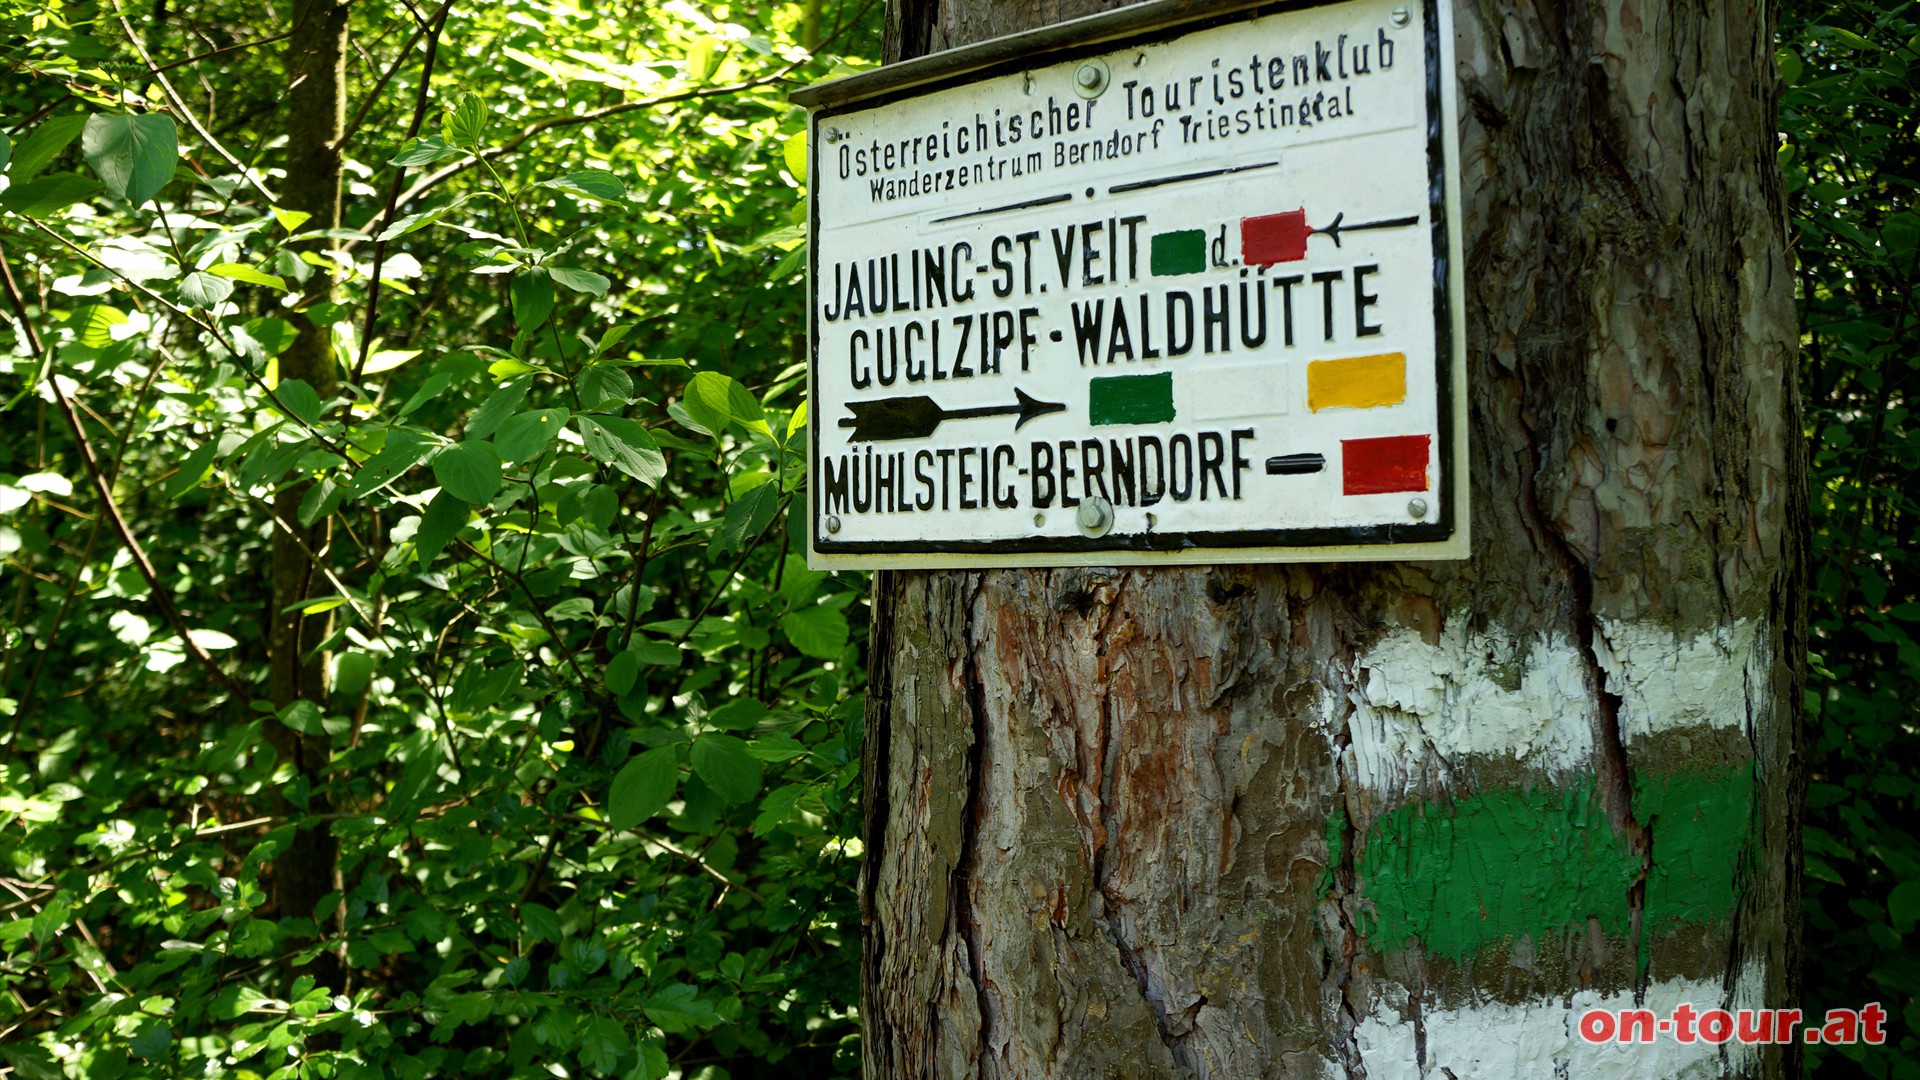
1282	237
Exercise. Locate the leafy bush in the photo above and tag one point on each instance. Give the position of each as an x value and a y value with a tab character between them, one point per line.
579	783
1853	169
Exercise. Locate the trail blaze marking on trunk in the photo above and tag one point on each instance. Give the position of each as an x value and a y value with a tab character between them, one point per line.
1491	867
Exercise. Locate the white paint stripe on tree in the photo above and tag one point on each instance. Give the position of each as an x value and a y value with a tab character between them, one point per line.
1665	684
1487	694
1540	1038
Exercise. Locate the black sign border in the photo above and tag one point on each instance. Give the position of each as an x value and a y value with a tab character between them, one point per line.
1225	541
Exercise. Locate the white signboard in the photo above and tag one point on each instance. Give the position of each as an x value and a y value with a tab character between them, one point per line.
1188	297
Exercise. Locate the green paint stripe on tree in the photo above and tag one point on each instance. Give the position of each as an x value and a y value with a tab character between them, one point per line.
1131	399
1492	867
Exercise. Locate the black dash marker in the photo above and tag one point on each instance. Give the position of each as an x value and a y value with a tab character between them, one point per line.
1184	177
1295	464
1028	205
916	417
1334	230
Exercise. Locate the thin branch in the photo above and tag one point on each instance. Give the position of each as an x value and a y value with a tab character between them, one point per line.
420	99
727	581
373	96
170	65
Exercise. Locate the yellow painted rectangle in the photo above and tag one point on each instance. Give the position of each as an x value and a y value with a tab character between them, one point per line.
1357	382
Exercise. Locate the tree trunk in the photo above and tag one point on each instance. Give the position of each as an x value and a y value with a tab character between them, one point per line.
1406	819
316	120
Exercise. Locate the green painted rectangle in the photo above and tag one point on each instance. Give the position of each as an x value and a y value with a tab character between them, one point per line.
1131	399
1175	253
1491	867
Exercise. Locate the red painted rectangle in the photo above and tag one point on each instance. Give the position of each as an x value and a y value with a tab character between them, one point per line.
1375	466
1274	238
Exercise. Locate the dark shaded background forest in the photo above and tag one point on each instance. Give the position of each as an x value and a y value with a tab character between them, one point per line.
575	791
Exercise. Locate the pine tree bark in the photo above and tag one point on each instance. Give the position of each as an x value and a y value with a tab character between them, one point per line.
1406	819
306	871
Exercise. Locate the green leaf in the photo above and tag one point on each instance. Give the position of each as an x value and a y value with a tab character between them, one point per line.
580	281
678	1008
1903	906
383	468
746	517
778	808
446	515
235	1001
193	471
6	151
819	632
613	335
622	672
302	716
388	359
657	653
132	155
795	152
352	671
94	323
643	787
263	338
527	435
542	922
152	1040
203	290
291	220
1850	39
625	445
471	471
498	407
321	500
461	1009
532	298
424	150
421	220
243	272
46	142
593	183
299	398
703	59
48	195
466	124
738	714
1790	65
604	384
713	400
723	762
602	1044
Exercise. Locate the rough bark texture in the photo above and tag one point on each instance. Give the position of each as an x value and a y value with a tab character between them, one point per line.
1394	820
316	120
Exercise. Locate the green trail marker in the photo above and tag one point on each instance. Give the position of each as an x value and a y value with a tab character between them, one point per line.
1131	399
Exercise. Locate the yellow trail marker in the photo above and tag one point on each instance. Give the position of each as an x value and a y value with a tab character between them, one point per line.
1357	382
